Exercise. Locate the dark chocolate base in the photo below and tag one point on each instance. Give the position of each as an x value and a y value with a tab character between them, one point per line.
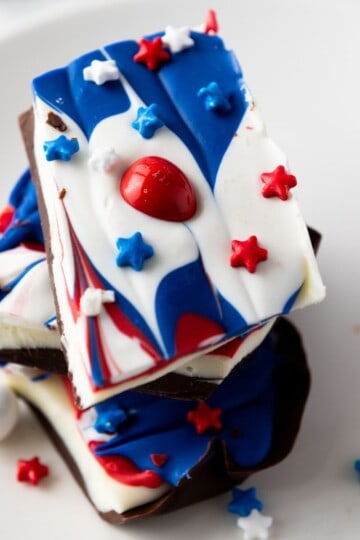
217	473
45	359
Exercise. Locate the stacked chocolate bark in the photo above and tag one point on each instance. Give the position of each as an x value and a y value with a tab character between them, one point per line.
144	264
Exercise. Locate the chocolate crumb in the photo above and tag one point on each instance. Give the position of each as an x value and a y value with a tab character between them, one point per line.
55	121
62	193
235	432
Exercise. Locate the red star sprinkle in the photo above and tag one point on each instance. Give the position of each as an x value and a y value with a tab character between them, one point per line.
151	53
6	217
31	471
204	418
277	183
247	253
159	459
211	24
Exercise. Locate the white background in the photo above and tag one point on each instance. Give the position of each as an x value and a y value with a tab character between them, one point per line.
302	61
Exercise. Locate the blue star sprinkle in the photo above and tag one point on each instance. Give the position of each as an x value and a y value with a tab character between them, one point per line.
244	501
214	98
109	421
61	148
133	251
147	121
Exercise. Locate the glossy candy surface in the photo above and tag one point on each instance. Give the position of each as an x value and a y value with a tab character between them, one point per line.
157	187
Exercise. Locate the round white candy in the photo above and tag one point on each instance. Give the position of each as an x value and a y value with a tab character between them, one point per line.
9	411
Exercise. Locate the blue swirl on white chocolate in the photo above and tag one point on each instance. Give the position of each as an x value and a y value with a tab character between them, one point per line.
170	306
206	135
25	225
8	287
249	399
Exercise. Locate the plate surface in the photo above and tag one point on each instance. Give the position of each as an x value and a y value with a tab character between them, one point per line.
301	60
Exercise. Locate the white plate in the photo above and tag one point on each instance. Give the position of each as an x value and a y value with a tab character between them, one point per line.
302	62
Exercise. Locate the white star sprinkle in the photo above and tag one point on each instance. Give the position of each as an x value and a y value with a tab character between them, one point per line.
255	525
177	39
87	419
92	300
86	424
104	159
101	71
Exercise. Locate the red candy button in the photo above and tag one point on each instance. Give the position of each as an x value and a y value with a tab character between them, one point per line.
158	188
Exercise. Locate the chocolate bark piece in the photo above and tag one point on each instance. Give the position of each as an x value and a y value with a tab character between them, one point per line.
190	297
217	472
172	384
